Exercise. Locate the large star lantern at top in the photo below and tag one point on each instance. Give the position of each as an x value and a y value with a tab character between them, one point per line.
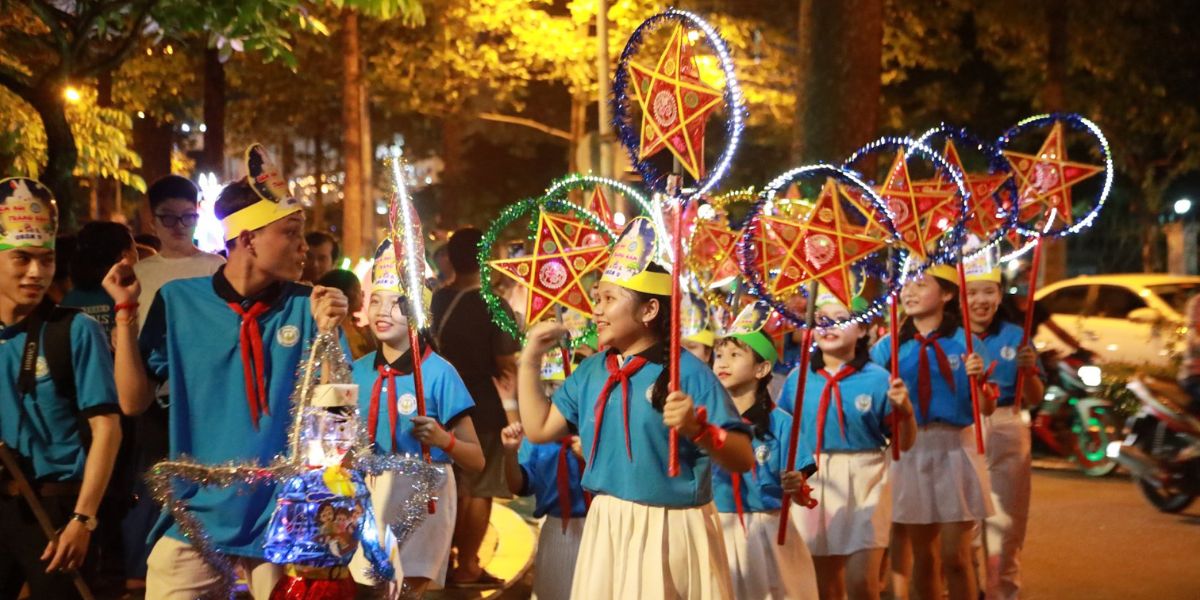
714	252
553	271
1044	179
987	211
826	244
913	206
675	104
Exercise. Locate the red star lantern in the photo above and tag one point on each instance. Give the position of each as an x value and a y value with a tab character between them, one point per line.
914	207
553	271
675	104
987	212
713	253
826	244
1044	179
598	205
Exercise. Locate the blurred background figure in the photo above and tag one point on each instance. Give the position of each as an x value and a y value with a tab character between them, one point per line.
357	336
323	252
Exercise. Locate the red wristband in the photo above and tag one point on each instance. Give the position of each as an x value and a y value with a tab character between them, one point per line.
453	440
125	306
715	434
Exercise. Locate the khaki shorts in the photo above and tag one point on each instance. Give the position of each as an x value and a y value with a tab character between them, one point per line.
490	482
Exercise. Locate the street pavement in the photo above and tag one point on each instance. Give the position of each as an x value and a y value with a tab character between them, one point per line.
1099	539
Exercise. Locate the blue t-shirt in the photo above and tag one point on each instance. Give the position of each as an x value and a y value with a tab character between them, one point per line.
96	304
191	339
762	488
864	404
1003	346
539	464
44	426
446	398
643	478
950	406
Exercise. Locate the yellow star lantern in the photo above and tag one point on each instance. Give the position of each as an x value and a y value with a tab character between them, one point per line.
826	244
914	207
553	272
675	103
1044	179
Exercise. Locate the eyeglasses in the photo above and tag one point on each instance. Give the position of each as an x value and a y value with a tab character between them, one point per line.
188	220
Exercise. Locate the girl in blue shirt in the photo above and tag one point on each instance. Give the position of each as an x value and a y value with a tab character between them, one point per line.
388	402
551	474
749	503
648	535
846	418
939	487
1009	460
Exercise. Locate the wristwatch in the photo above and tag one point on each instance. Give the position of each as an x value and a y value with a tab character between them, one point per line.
89	522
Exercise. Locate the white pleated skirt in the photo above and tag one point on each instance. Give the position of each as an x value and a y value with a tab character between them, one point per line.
854	504
1010	470
426	552
632	550
760	568
557	553
942	479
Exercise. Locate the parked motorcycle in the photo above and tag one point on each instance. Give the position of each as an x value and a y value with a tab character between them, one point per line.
1162	447
1072	421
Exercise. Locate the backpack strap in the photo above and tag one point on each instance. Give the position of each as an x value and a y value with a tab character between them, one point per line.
58	351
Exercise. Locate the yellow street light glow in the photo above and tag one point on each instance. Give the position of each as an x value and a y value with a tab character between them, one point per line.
71	94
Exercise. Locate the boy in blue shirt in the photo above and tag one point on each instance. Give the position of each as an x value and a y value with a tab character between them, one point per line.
229	345
45	401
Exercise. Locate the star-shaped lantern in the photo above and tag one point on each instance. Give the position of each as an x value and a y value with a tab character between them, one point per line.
1045	179
675	104
987	211
915	206
553	272
827	243
598	205
714	253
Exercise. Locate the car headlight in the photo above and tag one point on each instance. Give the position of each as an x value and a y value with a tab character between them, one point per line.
1090	375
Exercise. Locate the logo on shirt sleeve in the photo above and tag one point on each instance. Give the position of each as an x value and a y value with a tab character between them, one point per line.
287	336
954	362
762	454
1008	353
407	404
862	402
42	368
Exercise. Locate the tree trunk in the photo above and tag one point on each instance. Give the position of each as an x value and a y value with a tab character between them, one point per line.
578	131
1053	99
214	115
839	58
352	141
453	150
105	189
62	154
152	141
319	176
368	164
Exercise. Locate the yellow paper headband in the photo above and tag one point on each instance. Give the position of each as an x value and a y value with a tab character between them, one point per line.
268	183
631	258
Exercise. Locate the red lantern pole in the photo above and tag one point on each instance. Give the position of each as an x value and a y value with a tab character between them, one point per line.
810	311
974	383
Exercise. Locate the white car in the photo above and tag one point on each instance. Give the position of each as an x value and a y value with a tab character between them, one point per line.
1136	318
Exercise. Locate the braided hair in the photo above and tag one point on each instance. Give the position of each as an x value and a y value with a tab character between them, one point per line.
660	326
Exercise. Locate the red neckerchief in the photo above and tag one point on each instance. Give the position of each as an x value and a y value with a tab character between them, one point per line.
253	366
924	383
832	391
616	374
386	371
563	479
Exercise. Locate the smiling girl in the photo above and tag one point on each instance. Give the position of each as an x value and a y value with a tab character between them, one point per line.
940	487
749	504
845	418
1009	459
648	535
396	427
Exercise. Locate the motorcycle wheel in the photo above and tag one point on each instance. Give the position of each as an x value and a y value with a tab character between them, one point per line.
1165	500
1093	440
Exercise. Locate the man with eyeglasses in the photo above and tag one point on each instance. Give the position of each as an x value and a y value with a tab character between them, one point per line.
173	202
